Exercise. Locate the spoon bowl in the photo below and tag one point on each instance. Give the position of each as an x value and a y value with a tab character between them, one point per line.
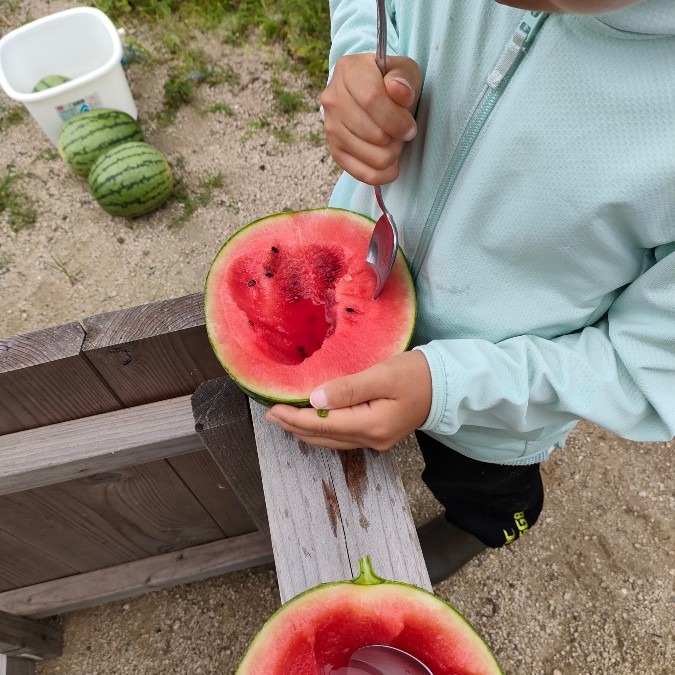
385	660
383	246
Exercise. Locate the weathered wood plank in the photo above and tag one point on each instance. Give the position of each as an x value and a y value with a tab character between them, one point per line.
106	442
24	565
23	637
109	518
44	379
201	474
12	666
154	351
327	509
223	422
137	578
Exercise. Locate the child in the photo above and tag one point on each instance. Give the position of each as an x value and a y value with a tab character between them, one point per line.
530	159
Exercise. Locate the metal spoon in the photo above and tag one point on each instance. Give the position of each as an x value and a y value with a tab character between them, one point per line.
385	660
384	240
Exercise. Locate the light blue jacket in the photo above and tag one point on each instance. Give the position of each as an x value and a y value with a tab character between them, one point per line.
537	204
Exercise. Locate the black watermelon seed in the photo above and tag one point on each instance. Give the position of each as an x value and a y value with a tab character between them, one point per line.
252	282
302	351
275	249
350	309
250	323
329	279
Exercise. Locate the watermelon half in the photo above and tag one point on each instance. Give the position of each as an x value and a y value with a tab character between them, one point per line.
289	304
316	632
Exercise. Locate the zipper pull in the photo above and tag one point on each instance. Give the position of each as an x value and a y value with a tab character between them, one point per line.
519	42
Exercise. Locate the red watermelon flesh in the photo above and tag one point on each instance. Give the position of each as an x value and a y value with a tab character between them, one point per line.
288	304
317	632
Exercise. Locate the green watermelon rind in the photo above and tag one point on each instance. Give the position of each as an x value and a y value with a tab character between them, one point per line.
131	179
367	577
85	137
49	81
270	400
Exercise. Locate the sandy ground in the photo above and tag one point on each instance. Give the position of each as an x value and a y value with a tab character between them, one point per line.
589	590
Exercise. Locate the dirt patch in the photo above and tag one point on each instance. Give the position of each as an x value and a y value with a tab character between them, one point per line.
589	590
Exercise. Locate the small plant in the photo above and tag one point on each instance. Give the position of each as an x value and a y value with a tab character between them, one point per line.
224	108
193	70
11	115
20	209
315	138
287	102
58	264
255	125
283	134
192	202
48	154
5	262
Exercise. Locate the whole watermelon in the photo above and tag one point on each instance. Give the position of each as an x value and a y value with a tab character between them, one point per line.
50	81
131	179
84	137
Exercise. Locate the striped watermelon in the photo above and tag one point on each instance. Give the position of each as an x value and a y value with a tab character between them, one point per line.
85	136
50	81
131	179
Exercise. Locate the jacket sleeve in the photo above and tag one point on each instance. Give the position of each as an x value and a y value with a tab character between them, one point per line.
618	374
354	28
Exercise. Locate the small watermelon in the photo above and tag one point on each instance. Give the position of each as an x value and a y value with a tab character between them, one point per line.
317	631
289	304
131	179
86	136
50	81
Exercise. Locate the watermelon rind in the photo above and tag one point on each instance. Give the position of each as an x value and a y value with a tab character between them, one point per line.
50	81
265	641
86	136
268	397
131	179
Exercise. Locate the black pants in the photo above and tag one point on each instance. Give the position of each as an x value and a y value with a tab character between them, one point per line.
494	502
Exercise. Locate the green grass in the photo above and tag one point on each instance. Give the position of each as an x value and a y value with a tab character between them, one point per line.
301	26
191	199
287	102
224	108
15	204
60	266
11	115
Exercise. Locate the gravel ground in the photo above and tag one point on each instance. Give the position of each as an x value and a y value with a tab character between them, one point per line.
589	590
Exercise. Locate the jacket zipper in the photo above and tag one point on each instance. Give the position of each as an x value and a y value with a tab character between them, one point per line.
496	83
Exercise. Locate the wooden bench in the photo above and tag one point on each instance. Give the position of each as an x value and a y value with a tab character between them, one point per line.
129	462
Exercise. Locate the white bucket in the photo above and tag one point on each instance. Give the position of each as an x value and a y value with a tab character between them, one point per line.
80	43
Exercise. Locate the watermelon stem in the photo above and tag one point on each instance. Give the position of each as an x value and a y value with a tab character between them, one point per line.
366	575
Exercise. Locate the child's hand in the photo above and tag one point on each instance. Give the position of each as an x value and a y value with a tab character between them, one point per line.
375	408
367	118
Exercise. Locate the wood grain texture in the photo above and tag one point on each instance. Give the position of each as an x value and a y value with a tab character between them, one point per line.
44	379
206	482
152	352
22	564
106	442
109	518
137	578
327	509
13	666
223	422
24	637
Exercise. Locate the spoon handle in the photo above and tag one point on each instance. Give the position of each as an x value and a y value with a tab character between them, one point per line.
381	54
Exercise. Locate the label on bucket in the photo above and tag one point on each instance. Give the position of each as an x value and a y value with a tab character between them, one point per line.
68	110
